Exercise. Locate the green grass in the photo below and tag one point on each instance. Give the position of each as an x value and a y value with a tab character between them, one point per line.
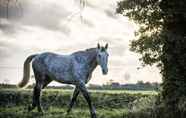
108	103
125	91
92	91
56	112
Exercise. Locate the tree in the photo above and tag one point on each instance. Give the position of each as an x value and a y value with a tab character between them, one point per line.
161	40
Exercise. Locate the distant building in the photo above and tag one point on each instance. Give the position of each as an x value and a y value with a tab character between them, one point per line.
115	84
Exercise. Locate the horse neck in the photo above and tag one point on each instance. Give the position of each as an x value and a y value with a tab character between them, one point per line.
91	55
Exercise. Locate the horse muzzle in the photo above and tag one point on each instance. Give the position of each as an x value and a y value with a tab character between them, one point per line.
104	71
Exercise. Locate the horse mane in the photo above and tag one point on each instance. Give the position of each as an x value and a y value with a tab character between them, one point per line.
90	49
84	51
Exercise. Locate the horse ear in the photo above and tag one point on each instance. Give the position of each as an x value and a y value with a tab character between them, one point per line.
98	46
106	46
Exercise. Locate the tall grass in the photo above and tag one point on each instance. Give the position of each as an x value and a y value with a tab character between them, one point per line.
109	104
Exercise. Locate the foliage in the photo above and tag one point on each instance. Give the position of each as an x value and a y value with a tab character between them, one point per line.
146	13
109	104
161	41
60	98
143	104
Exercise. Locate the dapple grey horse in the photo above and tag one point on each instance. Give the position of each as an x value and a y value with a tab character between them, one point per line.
75	69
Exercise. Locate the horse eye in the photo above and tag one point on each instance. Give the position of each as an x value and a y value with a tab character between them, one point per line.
99	55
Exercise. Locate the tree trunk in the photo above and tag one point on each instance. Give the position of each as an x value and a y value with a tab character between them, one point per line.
174	58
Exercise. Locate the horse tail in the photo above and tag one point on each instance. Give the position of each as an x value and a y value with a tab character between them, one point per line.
26	71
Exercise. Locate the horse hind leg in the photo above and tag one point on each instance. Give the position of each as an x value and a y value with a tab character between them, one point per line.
37	91
36	98
46	81
34	104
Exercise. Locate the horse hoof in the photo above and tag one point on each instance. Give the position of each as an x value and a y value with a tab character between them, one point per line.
68	112
93	116
41	111
29	108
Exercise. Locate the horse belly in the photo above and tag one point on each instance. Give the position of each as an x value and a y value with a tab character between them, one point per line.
63	75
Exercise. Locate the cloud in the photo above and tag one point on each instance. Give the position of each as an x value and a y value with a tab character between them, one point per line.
53	25
13	10
10	28
4	51
88	22
7	51
111	14
117	46
8	16
118	50
6	27
116	62
41	13
47	15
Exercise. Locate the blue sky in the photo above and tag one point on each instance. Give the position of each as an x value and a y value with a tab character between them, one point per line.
66	26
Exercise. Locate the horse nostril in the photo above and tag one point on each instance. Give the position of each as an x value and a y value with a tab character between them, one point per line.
104	71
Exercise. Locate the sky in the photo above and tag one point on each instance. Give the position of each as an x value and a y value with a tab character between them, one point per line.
66	26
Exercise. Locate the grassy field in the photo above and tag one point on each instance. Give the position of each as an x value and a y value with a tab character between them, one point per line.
108	103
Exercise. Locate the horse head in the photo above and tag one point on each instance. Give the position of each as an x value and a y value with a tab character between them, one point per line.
102	57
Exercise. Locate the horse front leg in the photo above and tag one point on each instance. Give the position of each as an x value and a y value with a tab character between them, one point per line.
73	99
86	95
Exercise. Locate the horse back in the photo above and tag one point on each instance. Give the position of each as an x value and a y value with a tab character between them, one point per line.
57	66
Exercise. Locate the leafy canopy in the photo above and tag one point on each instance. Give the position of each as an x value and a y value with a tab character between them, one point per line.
154	18
146	13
